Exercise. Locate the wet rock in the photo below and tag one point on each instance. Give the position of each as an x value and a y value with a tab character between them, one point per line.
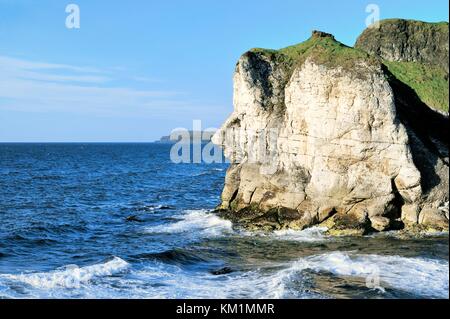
222	271
410	214
380	223
133	218
434	218
348	224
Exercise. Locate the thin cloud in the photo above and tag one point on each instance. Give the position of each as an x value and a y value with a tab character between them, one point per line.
27	85
32	65
146	79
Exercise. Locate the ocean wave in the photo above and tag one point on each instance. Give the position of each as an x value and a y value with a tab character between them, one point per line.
70	276
173	256
420	277
152	208
211	171
311	234
175	282
205	223
47	177
401	235
200	222
425	277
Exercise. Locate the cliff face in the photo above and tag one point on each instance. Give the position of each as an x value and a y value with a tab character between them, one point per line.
321	134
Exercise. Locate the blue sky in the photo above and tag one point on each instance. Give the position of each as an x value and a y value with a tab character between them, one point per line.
135	70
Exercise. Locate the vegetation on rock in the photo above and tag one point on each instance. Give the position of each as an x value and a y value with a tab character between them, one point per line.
416	53
323	49
429	82
427	75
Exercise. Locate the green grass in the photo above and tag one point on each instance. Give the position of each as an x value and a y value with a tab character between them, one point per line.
428	78
429	82
322	50
326	51
425	26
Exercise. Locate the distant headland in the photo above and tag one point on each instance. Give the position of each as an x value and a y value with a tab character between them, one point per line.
177	135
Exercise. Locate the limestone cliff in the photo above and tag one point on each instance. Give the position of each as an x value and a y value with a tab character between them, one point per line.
326	134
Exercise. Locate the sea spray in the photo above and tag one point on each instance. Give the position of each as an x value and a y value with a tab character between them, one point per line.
71	276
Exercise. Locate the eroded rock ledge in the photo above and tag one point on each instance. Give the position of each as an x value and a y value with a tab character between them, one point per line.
325	134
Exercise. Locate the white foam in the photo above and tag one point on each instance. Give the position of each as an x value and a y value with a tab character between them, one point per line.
70	276
422	277
426	277
204	223
312	234
307	235
152	208
174	282
199	221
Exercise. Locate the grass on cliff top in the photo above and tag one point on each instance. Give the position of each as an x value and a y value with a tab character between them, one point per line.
436	26
397	27
324	50
429	82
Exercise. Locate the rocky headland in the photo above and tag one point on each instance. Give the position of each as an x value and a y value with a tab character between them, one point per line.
354	139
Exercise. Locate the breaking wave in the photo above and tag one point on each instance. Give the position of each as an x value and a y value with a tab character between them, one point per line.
206	224
426	277
423	277
70	276
199	221
307	235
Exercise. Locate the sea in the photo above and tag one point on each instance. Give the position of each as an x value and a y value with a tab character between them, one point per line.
123	221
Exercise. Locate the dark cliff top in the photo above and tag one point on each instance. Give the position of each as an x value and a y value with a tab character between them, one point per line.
407	41
320	34
416	53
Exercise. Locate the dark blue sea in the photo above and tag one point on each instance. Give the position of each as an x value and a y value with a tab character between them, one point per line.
123	221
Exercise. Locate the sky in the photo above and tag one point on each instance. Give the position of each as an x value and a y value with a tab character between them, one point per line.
135	70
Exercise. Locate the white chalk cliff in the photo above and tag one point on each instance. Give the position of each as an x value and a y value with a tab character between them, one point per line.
317	136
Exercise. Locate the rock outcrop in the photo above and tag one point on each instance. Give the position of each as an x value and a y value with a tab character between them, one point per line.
408	41
326	134
416	53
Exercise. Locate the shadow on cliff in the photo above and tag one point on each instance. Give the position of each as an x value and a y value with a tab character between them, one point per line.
427	131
